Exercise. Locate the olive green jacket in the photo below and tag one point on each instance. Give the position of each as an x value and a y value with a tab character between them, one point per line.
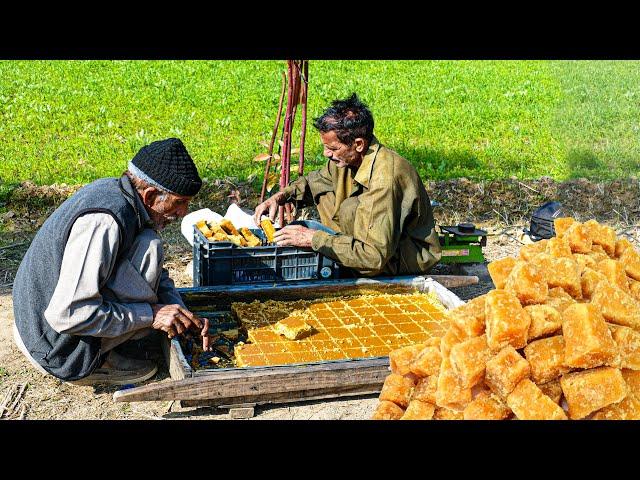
382	214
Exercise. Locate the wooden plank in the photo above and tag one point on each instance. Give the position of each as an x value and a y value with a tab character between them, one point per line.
263	384
453	281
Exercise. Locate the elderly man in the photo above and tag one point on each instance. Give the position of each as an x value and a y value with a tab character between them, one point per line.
369	195
93	276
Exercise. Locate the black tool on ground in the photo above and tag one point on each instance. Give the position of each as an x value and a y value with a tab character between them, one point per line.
542	221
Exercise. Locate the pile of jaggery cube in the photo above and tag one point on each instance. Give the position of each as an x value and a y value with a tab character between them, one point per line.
558	338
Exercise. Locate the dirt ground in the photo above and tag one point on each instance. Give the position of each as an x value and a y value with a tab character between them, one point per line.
33	396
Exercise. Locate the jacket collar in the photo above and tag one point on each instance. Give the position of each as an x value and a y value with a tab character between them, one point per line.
133	197
363	175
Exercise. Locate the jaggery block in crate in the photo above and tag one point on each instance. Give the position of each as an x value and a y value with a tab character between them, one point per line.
387	411
588	281
528	402
588	341
418	410
545	320
616	306
444	413
507	323
486	406
469	358
249	236
558	247
500	269
621	246
397	389
590	390
546	358
451	392
425	389
528	283
565	273
527	252
505	370
628	341
627	409
630	261
615	273
553	390
561	225
559	299
470	318
603	236
401	359
427	362
632	379
579	238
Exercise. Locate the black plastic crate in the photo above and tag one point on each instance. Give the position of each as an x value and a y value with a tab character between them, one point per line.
223	263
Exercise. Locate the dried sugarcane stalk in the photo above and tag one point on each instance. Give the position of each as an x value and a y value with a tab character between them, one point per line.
303	132
273	139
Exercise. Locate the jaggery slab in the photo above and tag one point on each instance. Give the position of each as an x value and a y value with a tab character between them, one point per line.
616	306
621	245
505	370
588	341
559	299
387	411
397	389
553	390
427	362
528	402
614	271
561	225
630	261
293	327
628	341
469	358
451	392
627	409
546	358
632	379
588	281
444	413
499	270
545	320
528	283
602	235
507	323
593	389
527	252
564	273
486	406
558	247
418	410
470	317
425	389
579	238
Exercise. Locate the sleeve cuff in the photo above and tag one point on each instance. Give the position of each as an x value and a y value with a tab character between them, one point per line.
143	314
321	242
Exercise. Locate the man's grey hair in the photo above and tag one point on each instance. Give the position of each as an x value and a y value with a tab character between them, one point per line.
141	184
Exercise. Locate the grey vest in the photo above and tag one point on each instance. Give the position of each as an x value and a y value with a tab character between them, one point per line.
68	357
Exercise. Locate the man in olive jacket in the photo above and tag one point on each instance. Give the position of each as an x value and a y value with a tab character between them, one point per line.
369	195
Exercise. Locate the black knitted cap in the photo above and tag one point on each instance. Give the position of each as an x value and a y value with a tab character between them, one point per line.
167	163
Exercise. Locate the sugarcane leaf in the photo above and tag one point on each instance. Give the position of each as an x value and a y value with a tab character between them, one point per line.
277	157
274	179
264	143
295	151
262	157
281	143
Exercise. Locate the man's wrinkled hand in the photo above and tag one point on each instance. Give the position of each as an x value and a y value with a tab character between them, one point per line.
270	205
294	235
174	319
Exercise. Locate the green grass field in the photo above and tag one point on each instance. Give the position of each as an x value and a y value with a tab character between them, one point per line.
75	121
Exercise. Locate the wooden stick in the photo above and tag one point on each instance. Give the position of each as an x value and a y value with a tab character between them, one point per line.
18	397
7	398
273	139
303	133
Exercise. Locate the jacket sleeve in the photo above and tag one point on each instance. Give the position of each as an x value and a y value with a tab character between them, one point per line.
305	190
167	292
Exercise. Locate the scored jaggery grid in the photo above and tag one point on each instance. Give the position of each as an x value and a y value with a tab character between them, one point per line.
366	326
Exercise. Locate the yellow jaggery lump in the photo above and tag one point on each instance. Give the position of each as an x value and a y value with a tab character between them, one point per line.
634	289
469	358
451	392
397	389
600	251
293	327
588	281
593	389
505	370
268	229
579	238
499	270
553	390
251	239
444	413
452	337
584	261
470	317
587	340
401	359
558	247
545	320
486	406
527	252
418	410
220	237
561	225
616	306
559	299
630	261
507	323
228	227
527	282
237	240
528	402
387	411
614	272
427	361
621	245
564	273
425	389
546	358
627	409
602	235
628	341
632	379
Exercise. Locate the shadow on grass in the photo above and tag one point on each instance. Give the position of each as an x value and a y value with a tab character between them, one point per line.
584	163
